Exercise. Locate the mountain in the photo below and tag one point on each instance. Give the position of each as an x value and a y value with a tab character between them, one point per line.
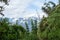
22	21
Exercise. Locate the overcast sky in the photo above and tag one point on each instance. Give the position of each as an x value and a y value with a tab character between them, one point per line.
24	8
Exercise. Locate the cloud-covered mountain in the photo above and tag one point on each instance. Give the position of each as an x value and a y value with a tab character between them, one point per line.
21	21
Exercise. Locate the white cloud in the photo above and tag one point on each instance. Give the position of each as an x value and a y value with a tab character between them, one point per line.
16	7
23	8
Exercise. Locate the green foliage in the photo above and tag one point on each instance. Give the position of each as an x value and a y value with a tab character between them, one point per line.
27	28
48	29
51	25
10	32
34	26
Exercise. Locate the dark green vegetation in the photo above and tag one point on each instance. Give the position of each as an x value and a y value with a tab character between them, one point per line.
48	28
10	31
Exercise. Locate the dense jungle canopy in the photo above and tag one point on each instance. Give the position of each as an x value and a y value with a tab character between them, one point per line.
47	29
